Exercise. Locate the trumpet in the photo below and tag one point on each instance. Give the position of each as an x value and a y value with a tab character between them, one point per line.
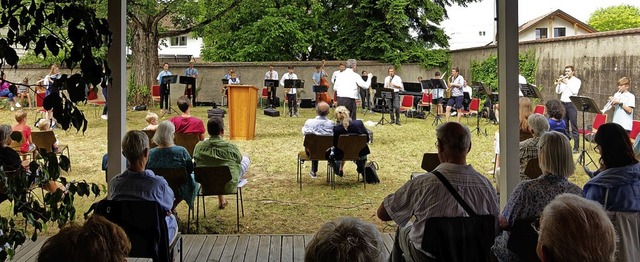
560	79
609	103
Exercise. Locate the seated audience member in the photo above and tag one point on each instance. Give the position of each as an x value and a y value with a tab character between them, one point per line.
321	126
168	155
345	125
555	111
636	146
185	123
216	152
5	91
524	113
45	125
98	240
426	197
138	183
531	196
618	179
575	229
529	148
23	91
344	240
21	118
152	121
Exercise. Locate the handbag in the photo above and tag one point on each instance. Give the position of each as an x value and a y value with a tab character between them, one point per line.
371	172
455	239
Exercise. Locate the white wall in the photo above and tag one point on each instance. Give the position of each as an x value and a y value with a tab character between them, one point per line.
193	47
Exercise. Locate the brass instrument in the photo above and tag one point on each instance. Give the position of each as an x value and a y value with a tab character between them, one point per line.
447	92
560	79
609	104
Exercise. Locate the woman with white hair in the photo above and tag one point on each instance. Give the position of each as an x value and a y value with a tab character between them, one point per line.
168	155
531	196
345	125
346	239
538	124
573	228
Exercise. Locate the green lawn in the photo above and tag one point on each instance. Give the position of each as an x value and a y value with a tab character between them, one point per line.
273	202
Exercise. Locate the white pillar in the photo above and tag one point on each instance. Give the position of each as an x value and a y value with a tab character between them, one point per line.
508	83
116	125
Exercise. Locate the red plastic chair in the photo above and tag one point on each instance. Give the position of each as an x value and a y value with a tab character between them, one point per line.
635	130
474	106
406	103
40	105
155	93
598	120
540	109
426	101
92	99
263	96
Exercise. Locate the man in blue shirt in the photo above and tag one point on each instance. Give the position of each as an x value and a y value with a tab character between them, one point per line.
190	90
321	126
164	88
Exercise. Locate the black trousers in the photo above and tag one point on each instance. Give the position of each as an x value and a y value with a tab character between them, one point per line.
571	119
271	97
164	96
395	106
292	103
350	104
365	98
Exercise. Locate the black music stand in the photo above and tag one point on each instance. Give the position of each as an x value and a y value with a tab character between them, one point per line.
585	104
292	83
435	83
188	80
271	85
480	89
167	81
384	93
530	91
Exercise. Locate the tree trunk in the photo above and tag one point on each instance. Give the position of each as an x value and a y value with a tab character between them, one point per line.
144	67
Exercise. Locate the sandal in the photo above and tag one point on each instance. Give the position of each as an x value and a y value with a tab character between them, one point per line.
223	204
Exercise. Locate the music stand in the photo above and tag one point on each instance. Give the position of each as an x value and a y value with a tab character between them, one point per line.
480	89
271	88
435	83
189	81
530	91
367	98
585	104
168	80
384	93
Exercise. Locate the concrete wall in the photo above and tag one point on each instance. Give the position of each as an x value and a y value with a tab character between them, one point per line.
600	60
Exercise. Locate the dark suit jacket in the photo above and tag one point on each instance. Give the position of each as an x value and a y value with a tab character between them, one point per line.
356	127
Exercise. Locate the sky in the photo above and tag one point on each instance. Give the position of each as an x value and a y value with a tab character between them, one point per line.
479	16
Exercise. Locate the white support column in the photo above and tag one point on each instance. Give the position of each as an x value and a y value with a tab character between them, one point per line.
508	83
116	125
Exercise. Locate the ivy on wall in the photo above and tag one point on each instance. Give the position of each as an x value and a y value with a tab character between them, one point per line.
486	71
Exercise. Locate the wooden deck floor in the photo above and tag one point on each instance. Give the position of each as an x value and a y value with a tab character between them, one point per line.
225	248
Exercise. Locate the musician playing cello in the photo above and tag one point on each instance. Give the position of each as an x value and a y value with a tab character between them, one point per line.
623	103
320	80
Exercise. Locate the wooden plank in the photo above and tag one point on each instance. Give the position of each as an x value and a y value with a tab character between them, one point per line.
307	239
32	253
218	247
298	248
286	252
263	248
206	248
274	248
241	248
252	249
194	250
187	242
388	242
24	249
229	248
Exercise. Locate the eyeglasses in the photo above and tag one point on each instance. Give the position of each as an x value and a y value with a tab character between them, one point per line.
596	149
536	225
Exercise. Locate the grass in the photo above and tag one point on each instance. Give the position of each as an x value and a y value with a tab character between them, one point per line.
273	202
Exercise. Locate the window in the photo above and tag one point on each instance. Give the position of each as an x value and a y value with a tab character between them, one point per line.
482	33
559	31
179	41
541	33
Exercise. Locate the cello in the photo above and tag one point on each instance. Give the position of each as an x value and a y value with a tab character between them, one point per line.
323	96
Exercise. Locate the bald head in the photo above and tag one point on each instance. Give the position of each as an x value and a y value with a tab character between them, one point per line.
454	138
322	109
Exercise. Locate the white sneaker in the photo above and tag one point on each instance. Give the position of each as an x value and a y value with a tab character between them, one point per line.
313	174
18	104
104	117
12	109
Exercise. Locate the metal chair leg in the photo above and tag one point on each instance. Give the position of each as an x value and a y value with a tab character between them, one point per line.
237	213
241	202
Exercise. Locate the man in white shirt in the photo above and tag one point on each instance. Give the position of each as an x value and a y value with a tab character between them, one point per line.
346	86
271	96
438	93
291	92
466	89
455	101
395	82
570	86
334	76
624	102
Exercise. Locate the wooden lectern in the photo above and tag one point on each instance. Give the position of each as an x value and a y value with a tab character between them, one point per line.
243	100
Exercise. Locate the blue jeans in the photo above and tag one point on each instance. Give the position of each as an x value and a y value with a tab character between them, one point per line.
7	93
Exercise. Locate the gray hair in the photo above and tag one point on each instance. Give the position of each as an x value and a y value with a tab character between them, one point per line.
554	154
538	123
573	228
351	63
346	239
458	142
5	134
134	145
164	134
